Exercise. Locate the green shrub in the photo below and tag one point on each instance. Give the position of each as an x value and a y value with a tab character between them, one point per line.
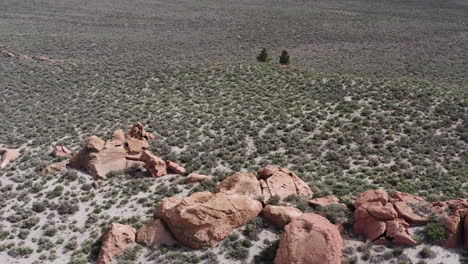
284	58
434	233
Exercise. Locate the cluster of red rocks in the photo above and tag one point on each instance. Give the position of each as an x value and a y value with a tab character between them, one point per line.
205	218
386	220
124	150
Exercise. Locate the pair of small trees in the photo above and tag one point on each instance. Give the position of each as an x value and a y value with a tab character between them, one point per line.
263	57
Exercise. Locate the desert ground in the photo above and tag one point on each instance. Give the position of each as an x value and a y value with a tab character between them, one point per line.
375	97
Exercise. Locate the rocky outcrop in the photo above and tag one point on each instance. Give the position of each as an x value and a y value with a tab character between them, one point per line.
324	201
378	220
154	234
117	238
194	177
99	157
173	167
61	151
282	183
280	215
240	183
154	164
204	218
53	169
309	239
454	214
8	155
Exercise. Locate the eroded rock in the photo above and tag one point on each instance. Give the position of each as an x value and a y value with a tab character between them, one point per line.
324	201
240	183
174	167
204	218
154	164
280	215
310	239
155	234
61	151
118	237
194	177
8	155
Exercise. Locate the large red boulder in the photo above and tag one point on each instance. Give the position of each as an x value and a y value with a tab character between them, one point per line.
117	238
397	233
371	196
282	183
406	212
324	201
154	164
280	215
310	239
204	218
8	155
240	183
195	177
138	131
174	167
154	234
365	224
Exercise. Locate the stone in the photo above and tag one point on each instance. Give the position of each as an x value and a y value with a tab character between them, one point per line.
135	146
174	167
98	158
204	218
371	196
155	234
8	155
324	201
397	233
138	131
407	213
194	177
284	183
280	215
453	228
309	239
61	151
407	198
365	224
53	169
382	212
118	136
118	237
154	164
240	183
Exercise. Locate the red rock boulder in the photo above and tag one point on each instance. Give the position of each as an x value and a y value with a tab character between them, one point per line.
155	234
61	151
204	218
240	183
154	164
173	167
280	215
194	177
282	183
117	238
310	239
324	201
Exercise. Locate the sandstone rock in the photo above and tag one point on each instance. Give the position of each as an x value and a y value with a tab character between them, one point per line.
465	228
154	165
135	145
267	171
240	183
397	233
309	239
194	177
174	167
138	131
371	196
204	218
53	168
155	234
280	215
407	198
407	213
454	234
99	158
8	155
283	183
118	136
365	224
117	238
382	213
324	201
61	151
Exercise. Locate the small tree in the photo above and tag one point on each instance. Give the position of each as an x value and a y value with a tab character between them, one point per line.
284	58
263	56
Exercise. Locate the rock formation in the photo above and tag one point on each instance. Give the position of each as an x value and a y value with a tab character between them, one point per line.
61	151
8	155
117	238
194	177
155	234
310	239
174	167
99	157
53	168
280	215
240	183
204	218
